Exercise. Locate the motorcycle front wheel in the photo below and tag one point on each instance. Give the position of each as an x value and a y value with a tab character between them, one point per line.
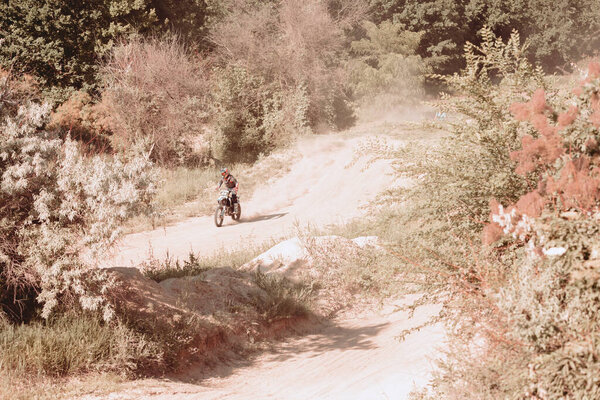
219	216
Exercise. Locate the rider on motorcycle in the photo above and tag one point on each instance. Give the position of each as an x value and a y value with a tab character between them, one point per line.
230	183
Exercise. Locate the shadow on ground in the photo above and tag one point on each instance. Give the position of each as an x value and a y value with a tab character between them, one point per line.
329	337
265	217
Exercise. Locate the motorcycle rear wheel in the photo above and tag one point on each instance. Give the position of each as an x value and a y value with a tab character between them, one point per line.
219	216
236	216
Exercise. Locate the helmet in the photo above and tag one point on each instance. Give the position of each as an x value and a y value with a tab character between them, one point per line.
224	172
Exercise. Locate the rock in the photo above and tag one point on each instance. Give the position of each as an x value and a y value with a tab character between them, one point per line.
295	259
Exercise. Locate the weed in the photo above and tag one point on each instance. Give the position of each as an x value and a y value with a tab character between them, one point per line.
196	264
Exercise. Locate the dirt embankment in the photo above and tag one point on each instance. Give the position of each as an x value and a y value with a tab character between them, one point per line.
353	357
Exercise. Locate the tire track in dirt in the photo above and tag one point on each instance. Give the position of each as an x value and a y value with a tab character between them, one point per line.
354	358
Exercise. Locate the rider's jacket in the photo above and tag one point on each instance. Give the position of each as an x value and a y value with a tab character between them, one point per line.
229	181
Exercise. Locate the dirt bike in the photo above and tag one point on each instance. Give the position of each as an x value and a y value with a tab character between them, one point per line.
226	208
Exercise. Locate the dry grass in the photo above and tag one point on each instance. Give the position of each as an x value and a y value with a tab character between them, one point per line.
196	264
284	298
71	344
44	388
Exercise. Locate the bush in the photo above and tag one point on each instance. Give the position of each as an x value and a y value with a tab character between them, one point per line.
517	309
82	120
154	91
15	91
278	97
59	211
473	164
240	98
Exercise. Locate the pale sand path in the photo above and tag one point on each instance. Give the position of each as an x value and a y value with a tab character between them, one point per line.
353	358
322	187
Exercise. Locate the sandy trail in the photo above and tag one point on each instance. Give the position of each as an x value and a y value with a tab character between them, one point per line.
352	358
324	186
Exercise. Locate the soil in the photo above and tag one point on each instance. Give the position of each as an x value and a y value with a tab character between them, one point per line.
350	357
329	184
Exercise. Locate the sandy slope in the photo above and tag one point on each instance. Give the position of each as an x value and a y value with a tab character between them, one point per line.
353	358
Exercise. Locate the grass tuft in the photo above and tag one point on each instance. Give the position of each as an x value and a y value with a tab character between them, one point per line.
71	344
158	270
284	297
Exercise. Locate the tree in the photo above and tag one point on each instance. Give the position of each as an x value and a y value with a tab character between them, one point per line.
557	31
385	62
189	19
61	42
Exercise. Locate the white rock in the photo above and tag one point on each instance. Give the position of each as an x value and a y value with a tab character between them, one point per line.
364	241
554	251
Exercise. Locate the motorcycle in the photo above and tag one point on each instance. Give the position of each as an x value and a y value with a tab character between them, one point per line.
226	208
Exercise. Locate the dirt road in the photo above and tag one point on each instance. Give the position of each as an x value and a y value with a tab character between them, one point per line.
353	358
324	186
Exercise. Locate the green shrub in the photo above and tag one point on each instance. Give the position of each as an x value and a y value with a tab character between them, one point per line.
240	98
473	165
63	43
517	310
